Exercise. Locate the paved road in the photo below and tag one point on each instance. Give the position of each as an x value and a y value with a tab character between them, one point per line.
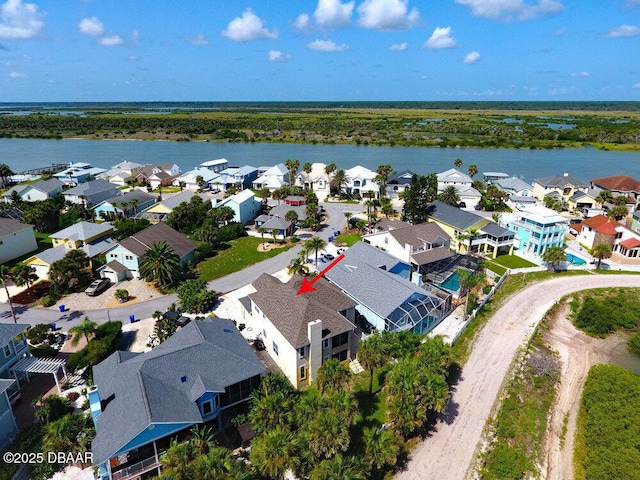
336	221
448	453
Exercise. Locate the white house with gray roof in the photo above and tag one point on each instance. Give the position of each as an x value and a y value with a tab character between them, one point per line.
34	192
142	400
387	299
514	186
90	193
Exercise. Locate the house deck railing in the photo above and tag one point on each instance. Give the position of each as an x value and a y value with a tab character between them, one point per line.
137	468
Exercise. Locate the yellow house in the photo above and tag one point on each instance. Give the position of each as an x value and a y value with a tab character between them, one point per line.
93	238
564	185
159	212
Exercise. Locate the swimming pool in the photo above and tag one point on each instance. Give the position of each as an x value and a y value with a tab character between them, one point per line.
571	258
452	282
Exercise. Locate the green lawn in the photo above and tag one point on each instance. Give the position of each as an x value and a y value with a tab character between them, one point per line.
240	254
348	238
513	261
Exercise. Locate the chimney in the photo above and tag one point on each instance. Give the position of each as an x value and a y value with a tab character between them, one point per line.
565	174
94	402
314	332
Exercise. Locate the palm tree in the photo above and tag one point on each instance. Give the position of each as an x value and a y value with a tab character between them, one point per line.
618	212
553	256
472	170
160	264
383	172
450	196
86	328
5	276
601	251
274	233
457	162
24	274
328	434
339	180
315	244
468	280
348	216
279	194
274	452
262	231
291	216
386	206
297	267
471	236
332	375
380	446
5	172
330	168
372	355
604	196
339	468
292	166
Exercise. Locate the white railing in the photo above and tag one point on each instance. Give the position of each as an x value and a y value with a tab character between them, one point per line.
136	468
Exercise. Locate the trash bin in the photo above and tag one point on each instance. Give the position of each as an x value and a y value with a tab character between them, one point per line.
53	327
62	308
132	318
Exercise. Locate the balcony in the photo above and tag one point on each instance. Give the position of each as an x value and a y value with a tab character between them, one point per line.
138	468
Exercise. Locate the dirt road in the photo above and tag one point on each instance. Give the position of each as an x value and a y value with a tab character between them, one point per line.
449	451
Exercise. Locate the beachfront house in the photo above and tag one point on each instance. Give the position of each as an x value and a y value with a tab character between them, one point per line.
140	401
79	172
196	179
91	193
317	180
273	178
301	332
216	165
514	186
620	185
238	177
453	177
398	183
536	228
16	239
562	187
124	257
360	180
386	298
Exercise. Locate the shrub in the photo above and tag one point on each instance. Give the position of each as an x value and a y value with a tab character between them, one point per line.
121	295
73	396
231	231
103	344
634	343
38	333
44	352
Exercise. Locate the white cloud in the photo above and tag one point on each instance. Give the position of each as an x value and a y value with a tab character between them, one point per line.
111	41
581	74
17	75
387	15
327	46
302	22
512	9
248	27
199	39
333	13
135	36
278	56
133	58
559	32
472	57
91	26
624	31
440	38
399	47
19	20
636	85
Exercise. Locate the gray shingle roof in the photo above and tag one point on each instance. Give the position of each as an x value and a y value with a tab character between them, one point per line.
91	188
185	196
360	275
513	183
559	181
47	186
139	195
433	255
402	178
496	230
460	219
417	235
8	331
141	389
291	313
83	231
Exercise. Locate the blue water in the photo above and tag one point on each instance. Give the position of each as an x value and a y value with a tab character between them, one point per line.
452	282
583	163
571	258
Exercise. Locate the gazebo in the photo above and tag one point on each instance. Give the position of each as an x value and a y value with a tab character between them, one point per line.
40	365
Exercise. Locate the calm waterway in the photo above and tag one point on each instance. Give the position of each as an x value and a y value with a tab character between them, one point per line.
585	163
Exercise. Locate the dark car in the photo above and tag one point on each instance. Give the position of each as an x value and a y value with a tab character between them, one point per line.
328	257
177	317
97	287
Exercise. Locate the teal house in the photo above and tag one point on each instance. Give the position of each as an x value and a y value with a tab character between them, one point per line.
244	204
8	426
141	401
126	205
13	344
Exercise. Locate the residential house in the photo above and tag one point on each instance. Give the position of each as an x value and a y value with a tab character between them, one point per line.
398	183
34	192
161	179
132	168
126	205
93	238
141	401
317	180
275	219
128	252
620	185
90	193
514	186
78	173
493	177
301	332
8	426
598	229
238	177
159	212
536	228
564	186
471	231
583	201
453	177
245	206
295	200
16	239
360	180
273	178
147	171
387	224
117	177
469	196
273	224
426	247
196	179
216	165
13	346
386	298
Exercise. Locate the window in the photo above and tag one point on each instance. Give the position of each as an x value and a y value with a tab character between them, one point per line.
302	352
128	257
303	372
7	350
217	399
339	340
275	348
326	343
207	407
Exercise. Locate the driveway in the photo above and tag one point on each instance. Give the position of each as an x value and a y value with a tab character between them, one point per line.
449	452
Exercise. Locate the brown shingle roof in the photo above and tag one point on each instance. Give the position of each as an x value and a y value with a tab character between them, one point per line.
431	256
416	235
9	226
291	313
618	183
140	242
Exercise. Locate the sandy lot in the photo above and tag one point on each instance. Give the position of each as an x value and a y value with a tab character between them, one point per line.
449	452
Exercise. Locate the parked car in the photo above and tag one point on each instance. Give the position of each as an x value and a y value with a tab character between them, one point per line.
180	319
328	257
97	287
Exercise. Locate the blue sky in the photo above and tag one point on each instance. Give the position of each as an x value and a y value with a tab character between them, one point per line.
319	50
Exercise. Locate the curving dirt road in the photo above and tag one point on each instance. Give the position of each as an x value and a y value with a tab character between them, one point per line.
450	450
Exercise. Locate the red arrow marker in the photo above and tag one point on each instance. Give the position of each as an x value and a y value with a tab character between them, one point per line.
307	285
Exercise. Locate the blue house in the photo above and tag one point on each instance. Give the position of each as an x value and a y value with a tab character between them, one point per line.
8	427
244	204
142	400
13	345
241	177
126	205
